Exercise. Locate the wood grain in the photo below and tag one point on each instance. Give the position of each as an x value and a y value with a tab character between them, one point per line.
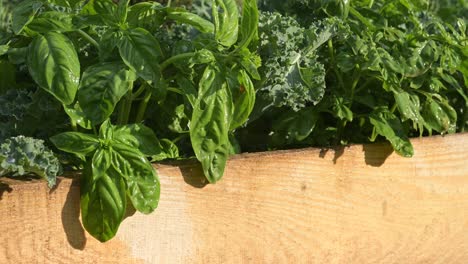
358	204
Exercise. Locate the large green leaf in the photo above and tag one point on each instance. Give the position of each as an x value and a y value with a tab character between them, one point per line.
146	15
75	142
54	65
23	14
410	107
249	22
439	116
77	115
103	200
389	126
140	137
211	118
102	87
226	22
52	21
141	52
143	186
244	103
183	16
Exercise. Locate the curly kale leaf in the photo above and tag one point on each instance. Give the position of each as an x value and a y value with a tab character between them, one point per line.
24	155
292	75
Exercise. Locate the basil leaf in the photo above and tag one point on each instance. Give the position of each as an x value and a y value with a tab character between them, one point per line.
78	116
23	14
53	64
439	116
226	23
4	49
141	52
100	12
182	16
140	137
102	87
211	118
169	151
52	21
143	186
244	103
389	126
106	131
146	15
101	163
103	201
249	23
76	143
409	107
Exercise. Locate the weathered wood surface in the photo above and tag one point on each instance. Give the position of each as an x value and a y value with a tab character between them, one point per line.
360	204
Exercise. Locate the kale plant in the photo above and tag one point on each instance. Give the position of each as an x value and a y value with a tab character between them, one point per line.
21	156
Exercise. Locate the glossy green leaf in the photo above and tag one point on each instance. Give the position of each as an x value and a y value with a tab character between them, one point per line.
439	116
410	107
341	110
53	64
389	126
226	22
99	12
106	131
250	62
4	49
102	87
76	142
140	137
182	16
107	44
143	186
249	23
141	52
148	15
23	14
52	21
103	201
244	103
211	118
78	116
169	151
188	89
202	56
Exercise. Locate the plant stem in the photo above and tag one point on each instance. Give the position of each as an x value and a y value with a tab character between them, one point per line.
176	58
332	58
88	38
126	107
73	125
143	105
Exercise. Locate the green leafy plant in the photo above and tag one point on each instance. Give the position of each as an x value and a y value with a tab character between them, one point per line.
21	156
124	84
339	72
108	64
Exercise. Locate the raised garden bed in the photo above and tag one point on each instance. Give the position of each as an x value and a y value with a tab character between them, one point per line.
358	204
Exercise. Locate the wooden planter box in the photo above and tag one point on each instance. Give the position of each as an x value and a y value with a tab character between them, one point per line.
358	204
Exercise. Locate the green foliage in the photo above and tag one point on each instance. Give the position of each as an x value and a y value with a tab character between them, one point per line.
222	77
21	156
389	70
104	62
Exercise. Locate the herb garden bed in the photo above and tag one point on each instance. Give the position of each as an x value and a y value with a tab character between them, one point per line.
357	204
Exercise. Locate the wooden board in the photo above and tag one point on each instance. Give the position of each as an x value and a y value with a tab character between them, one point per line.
358	204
